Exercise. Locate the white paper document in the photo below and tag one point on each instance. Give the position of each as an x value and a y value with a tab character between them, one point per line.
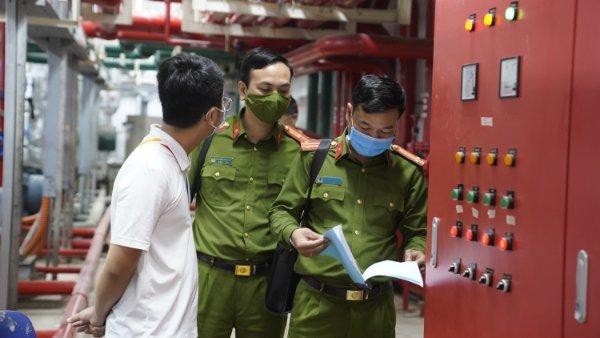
339	249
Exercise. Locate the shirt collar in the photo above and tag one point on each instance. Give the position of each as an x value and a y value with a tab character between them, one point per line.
176	149
343	150
237	129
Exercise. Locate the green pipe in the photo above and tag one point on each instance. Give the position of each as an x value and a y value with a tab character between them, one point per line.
37	57
148	64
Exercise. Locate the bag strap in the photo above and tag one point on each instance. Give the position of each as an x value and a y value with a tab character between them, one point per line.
201	158
315	167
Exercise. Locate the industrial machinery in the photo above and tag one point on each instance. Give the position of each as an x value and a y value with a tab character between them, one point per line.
513	172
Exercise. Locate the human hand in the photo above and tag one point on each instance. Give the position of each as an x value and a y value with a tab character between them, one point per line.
411	255
307	242
88	321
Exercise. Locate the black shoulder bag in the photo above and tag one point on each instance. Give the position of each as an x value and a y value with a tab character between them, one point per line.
282	279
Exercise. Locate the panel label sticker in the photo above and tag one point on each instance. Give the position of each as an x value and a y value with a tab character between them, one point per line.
511	220
487	121
459	209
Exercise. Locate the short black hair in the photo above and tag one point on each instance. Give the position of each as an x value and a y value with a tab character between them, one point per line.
188	86
377	94
259	58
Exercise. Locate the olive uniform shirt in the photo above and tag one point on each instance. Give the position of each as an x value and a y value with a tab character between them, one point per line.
240	180
370	201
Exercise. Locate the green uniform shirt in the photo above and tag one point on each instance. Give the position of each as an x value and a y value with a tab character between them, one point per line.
371	202
240	180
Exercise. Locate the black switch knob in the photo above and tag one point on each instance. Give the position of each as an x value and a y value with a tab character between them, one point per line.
455	267
503	285
469	273
485	279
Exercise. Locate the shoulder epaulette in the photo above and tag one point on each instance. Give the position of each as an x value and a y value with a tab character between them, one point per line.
306	143
222	127
409	156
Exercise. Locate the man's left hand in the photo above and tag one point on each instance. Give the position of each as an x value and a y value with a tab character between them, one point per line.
411	255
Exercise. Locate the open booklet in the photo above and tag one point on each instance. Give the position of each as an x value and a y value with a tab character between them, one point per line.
339	249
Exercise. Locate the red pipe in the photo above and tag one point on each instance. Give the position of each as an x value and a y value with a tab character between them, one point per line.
80	243
45	333
84	232
44	287
79	296
92	29
58	269
352	65
66	252
361	45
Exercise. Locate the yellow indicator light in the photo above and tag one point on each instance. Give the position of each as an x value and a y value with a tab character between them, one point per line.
491	159
459	157
474	158
509	160
489	19
469	25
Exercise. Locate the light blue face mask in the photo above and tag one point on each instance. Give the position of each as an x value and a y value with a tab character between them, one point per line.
366	145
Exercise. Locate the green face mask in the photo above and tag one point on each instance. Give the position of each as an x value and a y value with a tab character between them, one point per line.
268	108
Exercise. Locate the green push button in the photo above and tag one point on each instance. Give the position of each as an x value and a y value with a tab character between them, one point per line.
489	198
507	202
456	194
472	196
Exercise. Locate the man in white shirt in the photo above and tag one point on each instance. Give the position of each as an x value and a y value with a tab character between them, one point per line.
148	285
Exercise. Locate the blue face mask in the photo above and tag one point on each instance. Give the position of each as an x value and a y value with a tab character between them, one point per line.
366	145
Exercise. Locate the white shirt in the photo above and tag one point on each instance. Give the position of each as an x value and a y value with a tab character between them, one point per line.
150	212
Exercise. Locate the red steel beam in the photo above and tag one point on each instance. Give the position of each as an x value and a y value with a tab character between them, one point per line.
79	296
44	287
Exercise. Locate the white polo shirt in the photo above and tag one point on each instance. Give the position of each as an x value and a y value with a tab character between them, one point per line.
150	212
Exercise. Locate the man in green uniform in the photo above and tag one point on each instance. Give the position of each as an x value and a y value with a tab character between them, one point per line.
245	166
371	188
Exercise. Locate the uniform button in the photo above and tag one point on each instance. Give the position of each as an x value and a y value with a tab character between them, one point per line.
325	195
217	174
391	204
246	234
359	201
356	232
334	143
251	179
255	149
247	207
363	170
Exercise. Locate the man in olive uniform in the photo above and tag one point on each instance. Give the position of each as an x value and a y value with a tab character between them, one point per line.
370	187
245	166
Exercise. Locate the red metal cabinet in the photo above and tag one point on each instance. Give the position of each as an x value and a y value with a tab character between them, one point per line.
583	204
537	118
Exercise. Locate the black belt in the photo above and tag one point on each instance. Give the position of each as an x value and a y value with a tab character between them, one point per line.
353	294
244	270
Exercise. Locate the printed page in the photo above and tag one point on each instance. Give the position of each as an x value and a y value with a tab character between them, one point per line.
338	248
408	271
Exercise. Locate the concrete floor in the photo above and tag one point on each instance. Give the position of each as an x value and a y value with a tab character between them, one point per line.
45	313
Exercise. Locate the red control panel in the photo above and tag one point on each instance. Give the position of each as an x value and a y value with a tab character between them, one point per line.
511	216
